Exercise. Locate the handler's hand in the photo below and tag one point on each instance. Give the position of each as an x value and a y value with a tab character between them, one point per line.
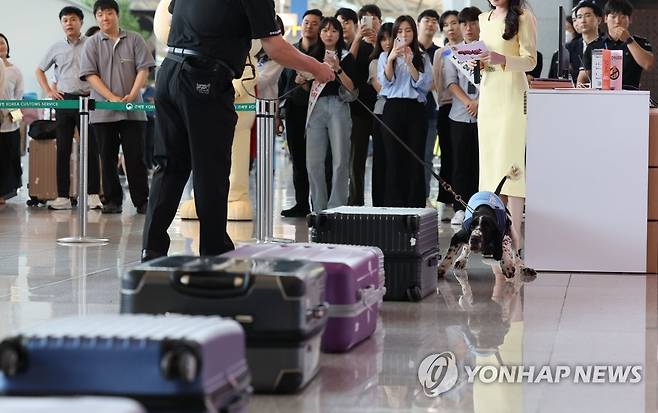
323	73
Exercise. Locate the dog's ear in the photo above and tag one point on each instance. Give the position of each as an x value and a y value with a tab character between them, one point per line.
498	247
460	237
508	222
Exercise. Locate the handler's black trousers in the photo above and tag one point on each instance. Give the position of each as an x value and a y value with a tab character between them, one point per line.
195	122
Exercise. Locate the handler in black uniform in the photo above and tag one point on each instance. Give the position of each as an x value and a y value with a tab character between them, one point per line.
208	44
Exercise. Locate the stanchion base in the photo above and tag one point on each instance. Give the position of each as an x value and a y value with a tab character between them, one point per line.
82	241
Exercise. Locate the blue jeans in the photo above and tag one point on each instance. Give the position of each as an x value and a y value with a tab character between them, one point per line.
330	123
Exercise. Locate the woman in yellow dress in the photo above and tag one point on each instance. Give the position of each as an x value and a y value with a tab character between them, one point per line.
509	31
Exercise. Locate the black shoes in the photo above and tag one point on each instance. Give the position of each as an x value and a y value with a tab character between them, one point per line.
112	209
141	210
296	212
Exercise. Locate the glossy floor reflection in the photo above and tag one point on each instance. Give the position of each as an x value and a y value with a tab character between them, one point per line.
559	319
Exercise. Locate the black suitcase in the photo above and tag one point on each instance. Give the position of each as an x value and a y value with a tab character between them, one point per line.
396	231
409	238
411	278
280	304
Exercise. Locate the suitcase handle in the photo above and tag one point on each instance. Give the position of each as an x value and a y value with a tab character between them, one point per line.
372	295
208	284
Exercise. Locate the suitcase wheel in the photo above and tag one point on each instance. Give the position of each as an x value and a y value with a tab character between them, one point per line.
12	358
74	202
315	220
180	363
32	202
414	294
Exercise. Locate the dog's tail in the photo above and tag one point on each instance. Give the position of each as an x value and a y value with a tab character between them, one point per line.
513	174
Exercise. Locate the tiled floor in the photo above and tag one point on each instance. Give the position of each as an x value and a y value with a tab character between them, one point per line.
559	319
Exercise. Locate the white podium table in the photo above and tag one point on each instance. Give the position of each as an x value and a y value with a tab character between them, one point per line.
587	160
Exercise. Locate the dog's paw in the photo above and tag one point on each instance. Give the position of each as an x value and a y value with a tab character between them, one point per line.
466	302
529	274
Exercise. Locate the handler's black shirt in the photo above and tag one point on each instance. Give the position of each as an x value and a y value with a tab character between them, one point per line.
632	71
221	29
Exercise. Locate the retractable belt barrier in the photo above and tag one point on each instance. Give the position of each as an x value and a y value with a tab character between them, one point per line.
84	105
94	105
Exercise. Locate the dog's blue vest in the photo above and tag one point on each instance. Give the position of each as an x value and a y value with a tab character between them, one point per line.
492	200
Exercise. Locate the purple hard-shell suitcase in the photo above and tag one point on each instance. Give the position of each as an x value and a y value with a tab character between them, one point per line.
170	363
354	288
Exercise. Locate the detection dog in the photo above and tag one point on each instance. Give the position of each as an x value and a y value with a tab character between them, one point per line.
487	231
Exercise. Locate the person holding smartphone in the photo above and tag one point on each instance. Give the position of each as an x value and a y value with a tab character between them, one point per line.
329	121
362	47
378	183
405	73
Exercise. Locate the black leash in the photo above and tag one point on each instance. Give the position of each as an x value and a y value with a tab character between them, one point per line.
250	65
429	167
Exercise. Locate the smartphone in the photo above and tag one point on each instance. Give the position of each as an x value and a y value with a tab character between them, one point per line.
399	42
329	54
366	21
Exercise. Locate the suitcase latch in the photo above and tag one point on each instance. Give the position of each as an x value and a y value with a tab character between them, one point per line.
318	312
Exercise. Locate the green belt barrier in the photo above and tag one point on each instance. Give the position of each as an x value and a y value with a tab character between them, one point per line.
74	104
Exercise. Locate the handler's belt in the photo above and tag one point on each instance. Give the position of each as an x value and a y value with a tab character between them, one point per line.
179	54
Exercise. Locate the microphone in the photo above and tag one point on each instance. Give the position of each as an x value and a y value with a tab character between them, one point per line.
477	76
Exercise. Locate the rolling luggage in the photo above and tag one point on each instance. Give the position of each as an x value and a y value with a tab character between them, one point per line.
280	304
69	405
42	184
420	276
167	363
408	237
354	287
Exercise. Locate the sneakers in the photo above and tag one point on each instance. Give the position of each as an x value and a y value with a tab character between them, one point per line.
94	202
295	212
60	204
458	219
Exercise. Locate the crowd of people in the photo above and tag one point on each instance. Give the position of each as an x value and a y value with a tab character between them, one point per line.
419	92
392	81
106	63
414	87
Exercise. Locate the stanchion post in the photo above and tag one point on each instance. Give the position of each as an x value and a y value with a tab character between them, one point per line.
264	178
83	168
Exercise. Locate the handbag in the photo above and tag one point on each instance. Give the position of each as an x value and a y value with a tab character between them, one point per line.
43	130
